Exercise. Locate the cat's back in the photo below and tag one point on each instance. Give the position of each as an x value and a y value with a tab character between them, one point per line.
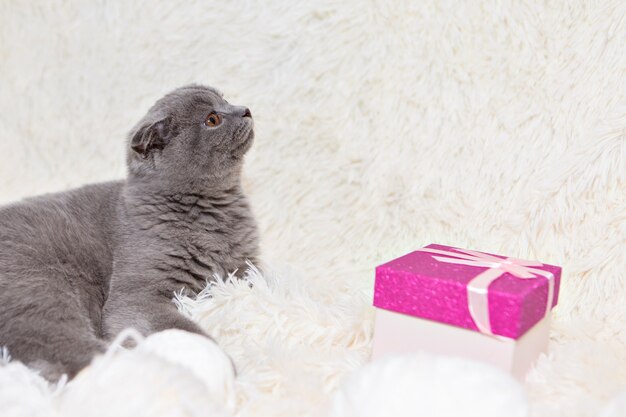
70	230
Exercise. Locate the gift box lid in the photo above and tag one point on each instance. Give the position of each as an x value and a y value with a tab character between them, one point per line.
475	290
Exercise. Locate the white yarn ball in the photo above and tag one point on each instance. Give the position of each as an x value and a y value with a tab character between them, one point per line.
172	373
200	356
428	385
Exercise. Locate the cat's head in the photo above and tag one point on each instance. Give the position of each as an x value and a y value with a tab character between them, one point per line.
191	136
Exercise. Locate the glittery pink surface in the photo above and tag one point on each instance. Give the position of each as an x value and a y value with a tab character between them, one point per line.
418	285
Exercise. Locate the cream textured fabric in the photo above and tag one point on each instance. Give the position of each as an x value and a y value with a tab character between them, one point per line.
381	126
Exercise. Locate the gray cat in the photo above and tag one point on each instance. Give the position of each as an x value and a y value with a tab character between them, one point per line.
77	267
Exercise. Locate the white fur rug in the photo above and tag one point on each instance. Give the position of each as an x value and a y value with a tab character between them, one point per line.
381	127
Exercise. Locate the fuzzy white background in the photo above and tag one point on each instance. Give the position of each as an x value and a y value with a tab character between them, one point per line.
381	127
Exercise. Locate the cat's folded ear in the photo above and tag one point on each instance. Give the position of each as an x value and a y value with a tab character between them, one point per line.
151	136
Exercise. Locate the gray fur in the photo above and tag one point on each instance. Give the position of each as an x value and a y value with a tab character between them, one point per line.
77	267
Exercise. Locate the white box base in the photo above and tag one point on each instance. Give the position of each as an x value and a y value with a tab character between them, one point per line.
399	333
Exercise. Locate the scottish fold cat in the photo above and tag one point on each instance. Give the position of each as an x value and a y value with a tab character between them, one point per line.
79	266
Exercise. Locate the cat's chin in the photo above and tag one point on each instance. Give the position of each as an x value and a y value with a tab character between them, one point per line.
242	149
245	143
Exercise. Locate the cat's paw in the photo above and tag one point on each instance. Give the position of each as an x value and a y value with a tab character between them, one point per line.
52	372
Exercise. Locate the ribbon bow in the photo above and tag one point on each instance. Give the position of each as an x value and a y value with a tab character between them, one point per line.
478	287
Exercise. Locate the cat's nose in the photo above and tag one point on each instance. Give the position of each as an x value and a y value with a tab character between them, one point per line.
240	111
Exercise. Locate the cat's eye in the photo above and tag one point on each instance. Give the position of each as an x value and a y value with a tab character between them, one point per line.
213	120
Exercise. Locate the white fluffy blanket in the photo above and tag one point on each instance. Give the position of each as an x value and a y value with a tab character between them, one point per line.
381	126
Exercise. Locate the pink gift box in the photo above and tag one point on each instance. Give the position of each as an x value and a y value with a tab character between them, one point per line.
434	286
466	303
